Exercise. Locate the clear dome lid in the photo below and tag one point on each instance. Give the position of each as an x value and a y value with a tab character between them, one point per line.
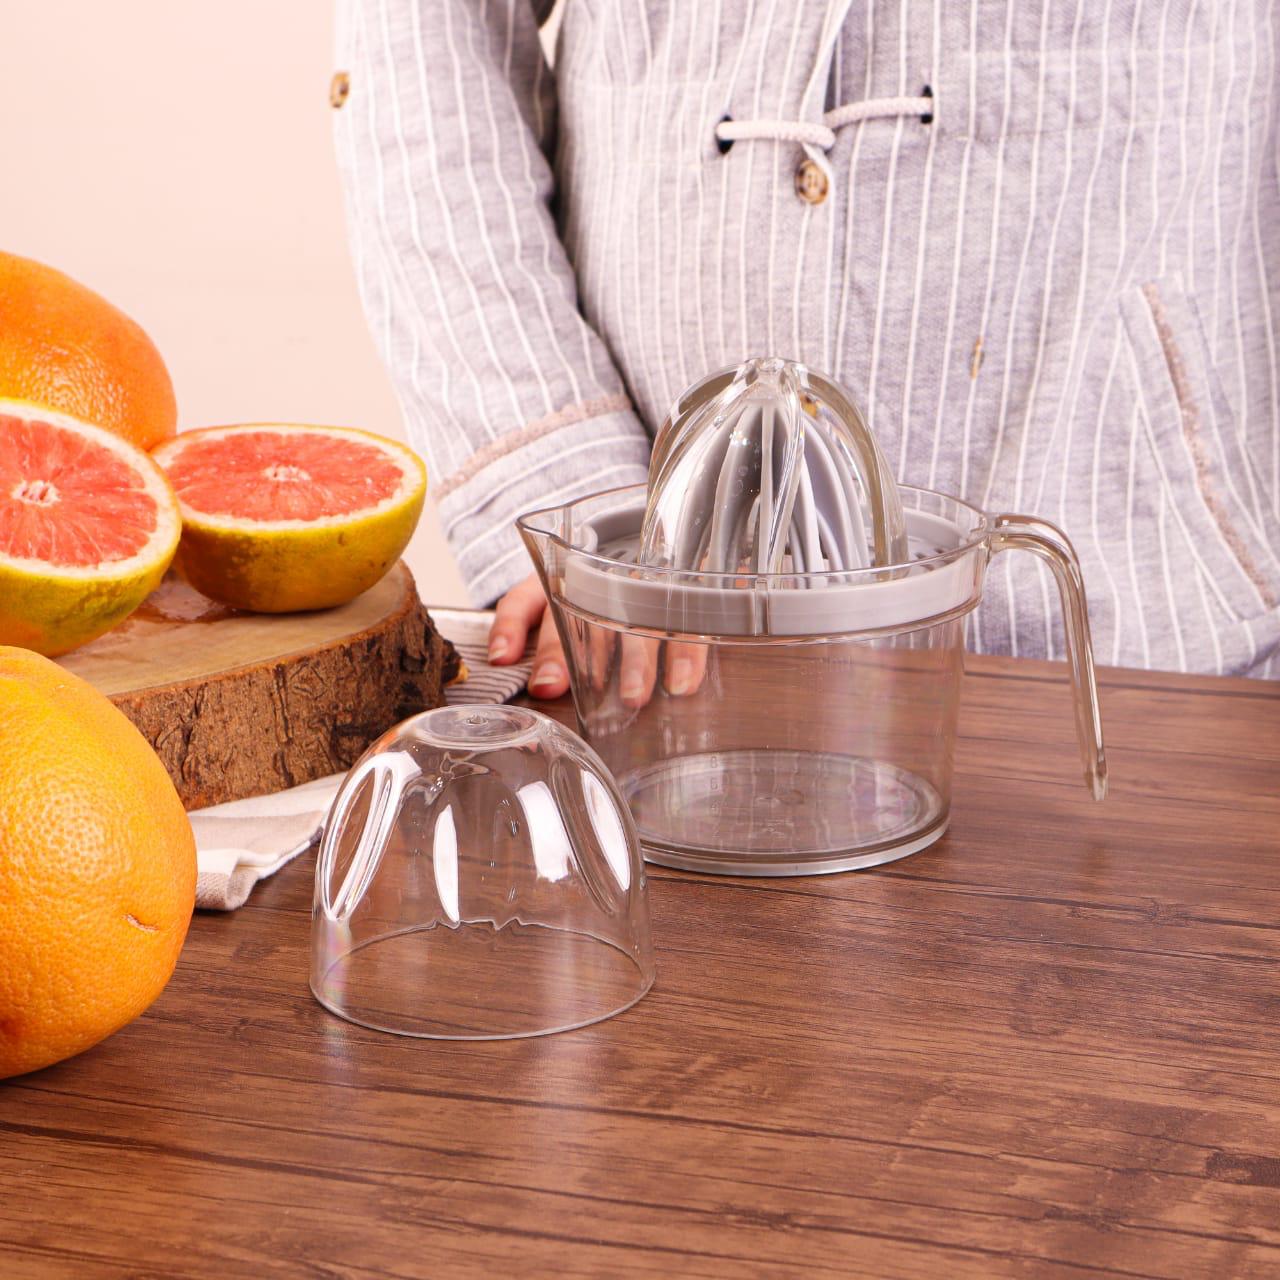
479	877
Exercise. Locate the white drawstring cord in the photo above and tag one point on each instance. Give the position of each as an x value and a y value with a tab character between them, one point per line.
815	89
812	135
874	108
816	137
822	135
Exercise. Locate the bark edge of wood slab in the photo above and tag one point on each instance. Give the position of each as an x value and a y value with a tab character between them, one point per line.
265	723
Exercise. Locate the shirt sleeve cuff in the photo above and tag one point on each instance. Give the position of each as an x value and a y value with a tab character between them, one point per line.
525	472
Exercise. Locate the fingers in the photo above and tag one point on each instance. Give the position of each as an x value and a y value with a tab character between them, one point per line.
518	612
524	607
601	643
550	675
684	666
638	670
684	669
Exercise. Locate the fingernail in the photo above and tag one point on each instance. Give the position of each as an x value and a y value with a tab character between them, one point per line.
550	674
632	685
498	647
680	677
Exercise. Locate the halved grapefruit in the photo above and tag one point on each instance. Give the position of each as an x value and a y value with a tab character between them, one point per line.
278	517
88	526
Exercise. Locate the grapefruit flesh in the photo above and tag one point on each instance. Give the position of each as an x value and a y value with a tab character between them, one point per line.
68	348
283	517
88	526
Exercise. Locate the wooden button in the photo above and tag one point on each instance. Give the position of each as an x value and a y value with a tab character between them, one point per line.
811	182
339	87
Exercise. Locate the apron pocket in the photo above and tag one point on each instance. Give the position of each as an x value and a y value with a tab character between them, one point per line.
1230	536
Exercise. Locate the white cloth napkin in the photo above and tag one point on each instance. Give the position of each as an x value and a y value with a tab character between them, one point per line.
244	841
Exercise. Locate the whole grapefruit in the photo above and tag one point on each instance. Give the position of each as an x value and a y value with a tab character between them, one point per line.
97	866
65	347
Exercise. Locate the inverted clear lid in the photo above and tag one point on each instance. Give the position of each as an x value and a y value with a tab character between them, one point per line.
479	877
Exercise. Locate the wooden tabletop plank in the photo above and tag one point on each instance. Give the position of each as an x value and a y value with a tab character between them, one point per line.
1048	1046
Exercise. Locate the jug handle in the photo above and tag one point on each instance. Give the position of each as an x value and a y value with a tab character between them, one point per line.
1051	545
392	772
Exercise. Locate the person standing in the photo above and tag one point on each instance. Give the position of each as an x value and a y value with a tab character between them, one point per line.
1040	243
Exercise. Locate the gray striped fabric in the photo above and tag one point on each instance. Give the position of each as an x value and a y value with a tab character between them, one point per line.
1058	297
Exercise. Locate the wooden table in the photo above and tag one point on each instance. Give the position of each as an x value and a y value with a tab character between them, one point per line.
1048	1046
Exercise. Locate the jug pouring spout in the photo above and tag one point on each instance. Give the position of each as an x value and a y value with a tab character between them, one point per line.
587	527
548	537
537	531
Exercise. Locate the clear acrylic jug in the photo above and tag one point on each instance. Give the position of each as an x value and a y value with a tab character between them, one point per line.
786	724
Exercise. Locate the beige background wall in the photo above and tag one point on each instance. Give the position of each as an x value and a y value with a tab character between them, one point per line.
176	156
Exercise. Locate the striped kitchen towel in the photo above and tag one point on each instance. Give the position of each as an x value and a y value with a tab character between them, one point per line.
244	841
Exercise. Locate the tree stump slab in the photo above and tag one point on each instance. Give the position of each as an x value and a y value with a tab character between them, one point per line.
241	704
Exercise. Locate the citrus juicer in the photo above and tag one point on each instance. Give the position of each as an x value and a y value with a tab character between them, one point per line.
749	472
765	642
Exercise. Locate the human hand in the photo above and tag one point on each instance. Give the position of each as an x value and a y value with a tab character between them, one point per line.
683	666
524	607
518	612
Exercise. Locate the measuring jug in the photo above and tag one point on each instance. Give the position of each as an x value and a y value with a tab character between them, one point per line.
787	723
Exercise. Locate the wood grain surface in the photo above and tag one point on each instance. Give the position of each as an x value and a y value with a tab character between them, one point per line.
1047	1046
244	704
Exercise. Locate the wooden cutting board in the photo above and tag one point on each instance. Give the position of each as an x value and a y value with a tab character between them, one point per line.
239	704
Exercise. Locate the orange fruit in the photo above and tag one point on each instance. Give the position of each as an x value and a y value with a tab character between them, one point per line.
88	526
65	347
281	517
97	866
